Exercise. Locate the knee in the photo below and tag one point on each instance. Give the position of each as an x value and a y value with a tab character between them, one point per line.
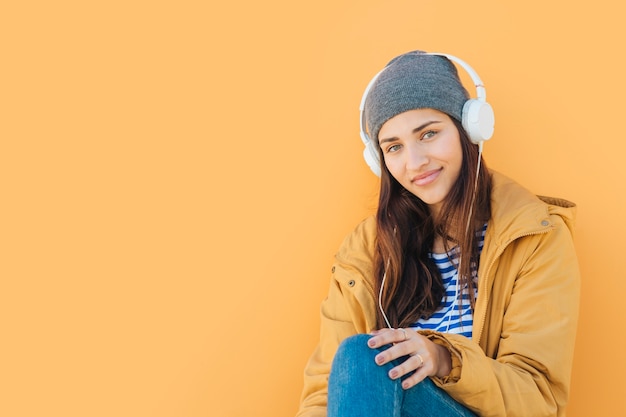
354	353
354	366
354	346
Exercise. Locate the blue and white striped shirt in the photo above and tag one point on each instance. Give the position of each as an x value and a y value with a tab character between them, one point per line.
447	319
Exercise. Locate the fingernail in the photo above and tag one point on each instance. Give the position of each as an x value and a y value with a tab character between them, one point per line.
393	374
371	343
379	359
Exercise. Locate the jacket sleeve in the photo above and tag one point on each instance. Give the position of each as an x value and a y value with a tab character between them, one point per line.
528	372
343	314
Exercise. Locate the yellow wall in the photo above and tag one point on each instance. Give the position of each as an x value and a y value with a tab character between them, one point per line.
175	178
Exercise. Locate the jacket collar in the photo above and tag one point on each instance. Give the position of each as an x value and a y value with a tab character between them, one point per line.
516	212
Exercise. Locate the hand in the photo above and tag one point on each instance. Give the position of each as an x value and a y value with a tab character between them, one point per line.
424	357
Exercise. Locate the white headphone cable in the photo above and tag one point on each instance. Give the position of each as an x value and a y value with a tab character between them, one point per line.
471	209
380	295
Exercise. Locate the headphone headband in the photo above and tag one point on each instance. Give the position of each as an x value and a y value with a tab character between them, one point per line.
481	93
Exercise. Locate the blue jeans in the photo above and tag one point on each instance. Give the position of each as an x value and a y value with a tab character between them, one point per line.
357	386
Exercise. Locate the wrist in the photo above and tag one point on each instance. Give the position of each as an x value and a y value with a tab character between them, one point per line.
444	361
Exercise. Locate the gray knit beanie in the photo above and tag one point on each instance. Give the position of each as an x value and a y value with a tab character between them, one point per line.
414	81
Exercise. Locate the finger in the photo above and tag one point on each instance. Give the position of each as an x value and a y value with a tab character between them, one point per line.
411	381
388	336
405	335
412	363
397	351
421	359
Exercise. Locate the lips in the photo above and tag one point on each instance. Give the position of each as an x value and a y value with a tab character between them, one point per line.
427	177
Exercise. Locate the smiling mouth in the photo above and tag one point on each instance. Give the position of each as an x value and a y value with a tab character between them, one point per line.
427	178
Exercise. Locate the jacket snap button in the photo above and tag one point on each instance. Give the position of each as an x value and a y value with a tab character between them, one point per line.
351	283
545	222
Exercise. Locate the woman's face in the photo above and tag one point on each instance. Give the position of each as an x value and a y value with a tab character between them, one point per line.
422	150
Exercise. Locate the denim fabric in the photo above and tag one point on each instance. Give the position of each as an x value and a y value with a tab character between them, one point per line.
357	386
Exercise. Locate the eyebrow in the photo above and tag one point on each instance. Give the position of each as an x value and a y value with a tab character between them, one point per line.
417	129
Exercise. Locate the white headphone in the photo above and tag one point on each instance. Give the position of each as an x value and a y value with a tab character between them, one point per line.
477	116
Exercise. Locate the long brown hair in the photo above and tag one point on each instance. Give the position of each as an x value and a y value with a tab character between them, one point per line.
406	232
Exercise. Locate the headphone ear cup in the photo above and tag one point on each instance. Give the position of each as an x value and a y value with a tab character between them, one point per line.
370	153
478	120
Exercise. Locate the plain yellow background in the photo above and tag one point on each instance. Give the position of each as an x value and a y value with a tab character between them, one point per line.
177	175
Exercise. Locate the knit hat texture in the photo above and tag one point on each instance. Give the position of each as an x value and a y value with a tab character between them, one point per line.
412	81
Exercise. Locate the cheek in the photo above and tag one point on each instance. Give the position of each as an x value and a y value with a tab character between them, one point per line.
398	174
393	166
452	152
456	159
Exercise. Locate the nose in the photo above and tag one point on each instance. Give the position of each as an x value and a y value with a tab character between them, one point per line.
415	157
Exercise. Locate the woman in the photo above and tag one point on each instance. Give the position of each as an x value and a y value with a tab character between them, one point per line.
460	297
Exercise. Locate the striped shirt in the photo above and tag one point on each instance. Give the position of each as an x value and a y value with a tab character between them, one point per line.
447	319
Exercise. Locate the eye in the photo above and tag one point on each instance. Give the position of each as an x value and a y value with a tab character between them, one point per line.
429	134
393	148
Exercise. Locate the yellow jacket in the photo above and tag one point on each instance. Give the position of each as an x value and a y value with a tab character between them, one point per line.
518	362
